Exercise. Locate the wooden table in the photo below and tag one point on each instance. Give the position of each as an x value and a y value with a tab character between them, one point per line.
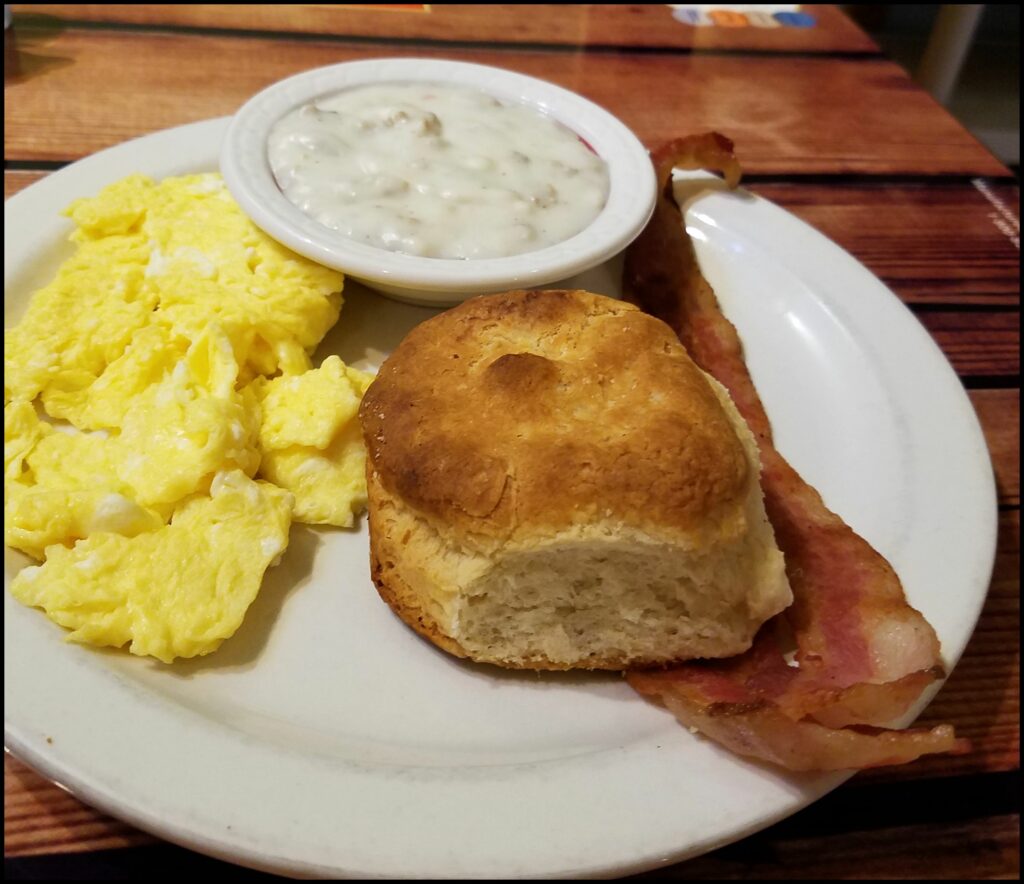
826	127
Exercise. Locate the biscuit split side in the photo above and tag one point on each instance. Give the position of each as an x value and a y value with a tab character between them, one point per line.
554	484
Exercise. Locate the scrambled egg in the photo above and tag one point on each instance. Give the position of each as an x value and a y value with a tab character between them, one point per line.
179	253
310	440
176	592
164	369
173	436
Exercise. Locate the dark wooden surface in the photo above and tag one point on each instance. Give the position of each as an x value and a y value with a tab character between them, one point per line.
641	26
826	128
71	92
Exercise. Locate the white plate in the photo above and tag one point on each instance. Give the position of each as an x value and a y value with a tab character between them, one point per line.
326	739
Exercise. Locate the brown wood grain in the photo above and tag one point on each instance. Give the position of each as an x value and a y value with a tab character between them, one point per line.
69	93
974	850
40	818
18	179
641	25
934	243
999	415
977	344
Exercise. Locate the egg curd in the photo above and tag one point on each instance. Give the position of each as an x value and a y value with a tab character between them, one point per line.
163	422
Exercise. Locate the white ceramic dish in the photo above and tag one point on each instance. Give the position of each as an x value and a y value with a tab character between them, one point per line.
325	739
436	281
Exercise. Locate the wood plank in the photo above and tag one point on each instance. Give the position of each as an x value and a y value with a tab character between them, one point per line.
971	850
935	243
977	344
69	94
41	818
999	415
791	850
18	179
646	25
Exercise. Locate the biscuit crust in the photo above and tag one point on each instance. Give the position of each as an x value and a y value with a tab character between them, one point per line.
513	416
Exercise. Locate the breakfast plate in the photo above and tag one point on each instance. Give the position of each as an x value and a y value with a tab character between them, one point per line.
325	739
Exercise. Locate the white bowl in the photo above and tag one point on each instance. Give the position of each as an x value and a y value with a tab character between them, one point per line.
439	281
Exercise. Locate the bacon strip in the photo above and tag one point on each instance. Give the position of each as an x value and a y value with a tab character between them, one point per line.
863	655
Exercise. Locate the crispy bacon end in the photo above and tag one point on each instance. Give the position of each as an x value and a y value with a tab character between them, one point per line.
862	655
